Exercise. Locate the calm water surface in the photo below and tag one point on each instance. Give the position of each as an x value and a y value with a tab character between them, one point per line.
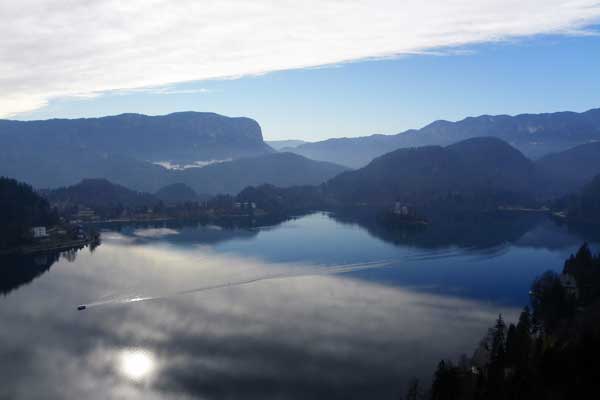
362	334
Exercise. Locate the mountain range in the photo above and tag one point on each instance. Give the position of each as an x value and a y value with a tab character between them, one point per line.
179	137
125	149
536	135
284	144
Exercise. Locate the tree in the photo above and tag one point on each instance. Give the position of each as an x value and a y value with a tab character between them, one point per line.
550	302
512	348
446	382
522	340
413	392
497	360
498	350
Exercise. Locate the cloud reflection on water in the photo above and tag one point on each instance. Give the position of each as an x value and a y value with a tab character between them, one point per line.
292	338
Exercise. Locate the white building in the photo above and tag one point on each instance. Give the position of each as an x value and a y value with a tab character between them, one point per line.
39	231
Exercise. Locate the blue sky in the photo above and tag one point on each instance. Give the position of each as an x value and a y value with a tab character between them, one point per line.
543	74
299	68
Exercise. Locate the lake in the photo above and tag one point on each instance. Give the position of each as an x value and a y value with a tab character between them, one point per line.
318	306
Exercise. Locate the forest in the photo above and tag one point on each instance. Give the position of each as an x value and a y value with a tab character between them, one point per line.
550	353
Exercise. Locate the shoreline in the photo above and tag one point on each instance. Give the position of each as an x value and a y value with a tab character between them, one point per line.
47	248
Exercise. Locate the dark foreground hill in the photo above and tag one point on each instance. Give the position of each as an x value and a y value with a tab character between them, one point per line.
533	134
20	209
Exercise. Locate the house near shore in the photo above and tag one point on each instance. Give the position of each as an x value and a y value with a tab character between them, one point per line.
402	209
246	205
39	232
85	214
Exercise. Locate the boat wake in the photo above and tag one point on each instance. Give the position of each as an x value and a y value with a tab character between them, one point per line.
319	271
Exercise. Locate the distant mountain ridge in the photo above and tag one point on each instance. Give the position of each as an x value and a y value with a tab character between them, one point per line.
124	149
535	135
285	145
181	137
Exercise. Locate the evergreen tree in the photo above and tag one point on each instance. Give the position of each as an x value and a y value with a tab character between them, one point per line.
512	348
446	382
497	360
498	350
523	340
413	392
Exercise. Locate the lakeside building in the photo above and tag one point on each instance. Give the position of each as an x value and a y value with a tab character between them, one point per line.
39	232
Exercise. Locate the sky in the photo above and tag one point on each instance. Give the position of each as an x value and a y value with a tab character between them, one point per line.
304	70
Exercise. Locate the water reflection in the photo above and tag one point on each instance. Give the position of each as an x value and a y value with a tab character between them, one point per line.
362	335
483	231
17	271
136	364
307	337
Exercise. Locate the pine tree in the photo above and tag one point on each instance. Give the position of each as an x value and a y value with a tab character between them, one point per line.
498	350
497	360
523	339
446	382
512	347
413	392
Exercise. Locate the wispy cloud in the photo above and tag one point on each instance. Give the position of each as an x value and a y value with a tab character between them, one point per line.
168	89
52	48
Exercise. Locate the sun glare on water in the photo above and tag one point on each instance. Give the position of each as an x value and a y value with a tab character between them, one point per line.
136	364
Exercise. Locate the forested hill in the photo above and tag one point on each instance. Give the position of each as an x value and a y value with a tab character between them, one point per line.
177	193
20	209
582	207
572	168
99	193
550	353
477	169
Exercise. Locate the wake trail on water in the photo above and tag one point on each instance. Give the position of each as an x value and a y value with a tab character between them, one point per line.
339	269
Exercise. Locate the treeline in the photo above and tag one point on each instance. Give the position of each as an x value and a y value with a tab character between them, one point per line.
286	200
551	353
20	209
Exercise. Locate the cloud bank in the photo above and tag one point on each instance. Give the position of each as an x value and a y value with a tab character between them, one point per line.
51	48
